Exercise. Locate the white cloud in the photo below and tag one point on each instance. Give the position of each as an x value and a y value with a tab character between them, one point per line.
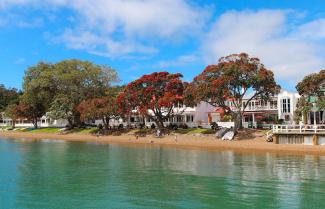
180	61
120	27
267	35
312	30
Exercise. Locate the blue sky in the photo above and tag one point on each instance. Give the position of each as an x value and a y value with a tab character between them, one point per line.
141	36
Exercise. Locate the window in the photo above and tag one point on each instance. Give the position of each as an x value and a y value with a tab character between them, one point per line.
274	104
189	118
286	105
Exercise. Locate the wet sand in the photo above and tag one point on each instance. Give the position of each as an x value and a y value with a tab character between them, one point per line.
254	143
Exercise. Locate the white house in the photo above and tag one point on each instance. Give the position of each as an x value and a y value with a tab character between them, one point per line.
287	103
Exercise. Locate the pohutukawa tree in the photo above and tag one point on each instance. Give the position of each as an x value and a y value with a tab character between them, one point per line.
14	111
153	95
235	76
312	85
104	108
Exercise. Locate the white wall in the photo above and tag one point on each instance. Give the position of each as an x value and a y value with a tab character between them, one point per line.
201	112
293	103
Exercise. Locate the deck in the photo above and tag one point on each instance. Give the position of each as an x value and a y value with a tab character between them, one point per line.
299	129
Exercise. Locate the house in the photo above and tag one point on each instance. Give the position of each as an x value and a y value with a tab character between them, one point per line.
44	122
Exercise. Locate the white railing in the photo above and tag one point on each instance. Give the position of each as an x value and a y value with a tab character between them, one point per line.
257	108
298	129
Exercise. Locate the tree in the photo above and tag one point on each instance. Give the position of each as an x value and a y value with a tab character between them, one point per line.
39	89
8	96
14	112
227	83
60	87
61	108
312	85
303	107
80	80
312	90
153	95
104	108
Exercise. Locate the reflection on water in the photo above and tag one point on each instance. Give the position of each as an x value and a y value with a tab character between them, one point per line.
47	174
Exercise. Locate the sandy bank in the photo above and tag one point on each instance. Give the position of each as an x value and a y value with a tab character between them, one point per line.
256	143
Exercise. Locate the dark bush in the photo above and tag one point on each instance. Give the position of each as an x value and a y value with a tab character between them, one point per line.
214	126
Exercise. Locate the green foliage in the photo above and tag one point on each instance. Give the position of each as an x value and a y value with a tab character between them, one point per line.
312	85
226	118
302	108
61	108
62	86
8	96
227	83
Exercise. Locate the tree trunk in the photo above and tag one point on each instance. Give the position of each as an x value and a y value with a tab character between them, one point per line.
76	119
106	123
160	123
305	117
238	122
70	122
35	123
13	123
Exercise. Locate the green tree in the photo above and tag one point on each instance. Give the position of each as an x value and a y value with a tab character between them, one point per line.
39	89
303	107
8	96
60	87
227	83
61	108
312	90
80	80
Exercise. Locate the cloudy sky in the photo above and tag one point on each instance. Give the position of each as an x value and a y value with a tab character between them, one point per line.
141	36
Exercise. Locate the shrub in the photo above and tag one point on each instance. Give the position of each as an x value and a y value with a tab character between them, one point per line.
214	126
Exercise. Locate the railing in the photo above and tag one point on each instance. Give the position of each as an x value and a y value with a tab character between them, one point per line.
298	129
256	108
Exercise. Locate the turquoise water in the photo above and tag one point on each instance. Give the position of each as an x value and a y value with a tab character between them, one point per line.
63	175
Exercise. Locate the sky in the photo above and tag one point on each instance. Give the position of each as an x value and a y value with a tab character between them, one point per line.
138	37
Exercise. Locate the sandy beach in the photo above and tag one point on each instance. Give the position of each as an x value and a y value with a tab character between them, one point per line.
256	143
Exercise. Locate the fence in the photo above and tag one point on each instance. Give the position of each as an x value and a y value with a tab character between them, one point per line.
288	129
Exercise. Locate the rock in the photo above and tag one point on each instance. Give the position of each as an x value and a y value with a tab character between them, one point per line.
269	138
228	136
221	132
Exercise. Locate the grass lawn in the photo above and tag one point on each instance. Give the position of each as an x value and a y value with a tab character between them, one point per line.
193	131
94	130
84	130
43	130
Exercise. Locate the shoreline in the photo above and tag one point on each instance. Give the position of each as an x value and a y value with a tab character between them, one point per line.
255	145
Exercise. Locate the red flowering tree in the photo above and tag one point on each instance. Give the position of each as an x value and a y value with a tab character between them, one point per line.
312	85
99	108
153	95
14	112
227	83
